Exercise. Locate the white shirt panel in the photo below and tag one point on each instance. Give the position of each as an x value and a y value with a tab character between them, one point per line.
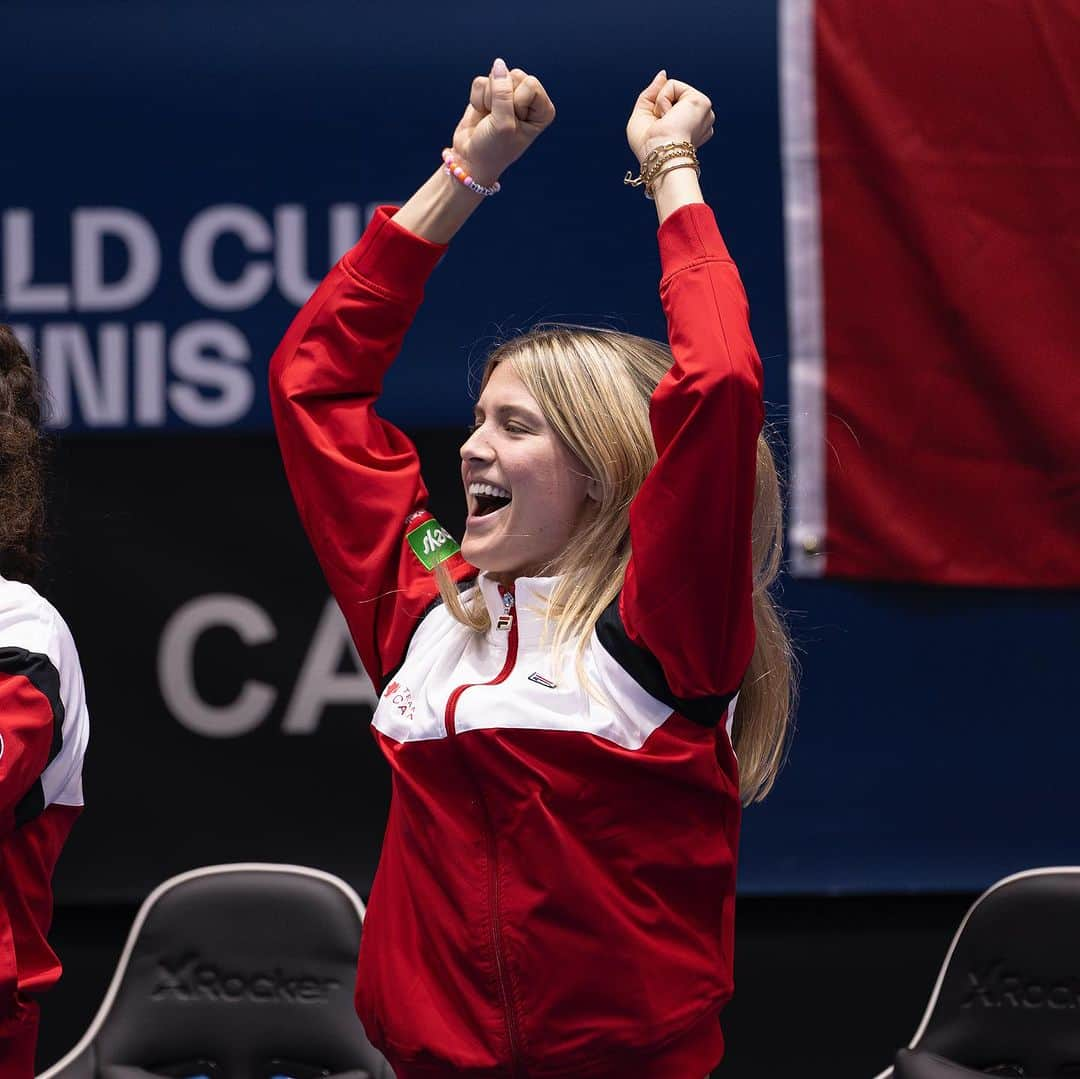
445	655
30	622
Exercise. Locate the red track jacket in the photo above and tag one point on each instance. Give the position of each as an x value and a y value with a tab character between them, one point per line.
555	895
44	729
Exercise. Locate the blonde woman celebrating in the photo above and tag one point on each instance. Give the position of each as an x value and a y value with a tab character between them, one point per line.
563	699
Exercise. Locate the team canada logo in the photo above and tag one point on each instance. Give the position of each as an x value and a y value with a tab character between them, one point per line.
400	698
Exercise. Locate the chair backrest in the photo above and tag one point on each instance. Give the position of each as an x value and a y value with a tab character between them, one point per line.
240	971
1007	999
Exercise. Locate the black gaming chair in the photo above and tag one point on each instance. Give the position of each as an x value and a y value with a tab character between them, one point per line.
239	971
1007	999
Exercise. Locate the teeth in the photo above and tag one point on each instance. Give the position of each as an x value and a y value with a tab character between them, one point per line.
488	489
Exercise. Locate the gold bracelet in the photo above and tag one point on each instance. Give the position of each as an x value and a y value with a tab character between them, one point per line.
657	157
668	155
657	166
655	160
650	187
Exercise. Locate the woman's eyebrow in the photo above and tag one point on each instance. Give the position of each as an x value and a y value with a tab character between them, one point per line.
520	411
503	412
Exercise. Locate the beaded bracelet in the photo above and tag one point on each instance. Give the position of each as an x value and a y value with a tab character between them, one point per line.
452	168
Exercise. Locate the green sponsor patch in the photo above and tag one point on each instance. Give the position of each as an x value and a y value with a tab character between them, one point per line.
431	543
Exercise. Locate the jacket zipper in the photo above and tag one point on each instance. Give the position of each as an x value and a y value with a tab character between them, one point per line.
509	1011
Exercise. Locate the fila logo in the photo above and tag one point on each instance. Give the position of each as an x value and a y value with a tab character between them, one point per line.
540	680
435	539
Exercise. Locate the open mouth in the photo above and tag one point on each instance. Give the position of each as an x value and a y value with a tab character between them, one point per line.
486	499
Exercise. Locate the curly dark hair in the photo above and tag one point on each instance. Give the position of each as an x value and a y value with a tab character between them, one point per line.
22	462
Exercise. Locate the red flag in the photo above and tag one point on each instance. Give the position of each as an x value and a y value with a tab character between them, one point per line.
932	197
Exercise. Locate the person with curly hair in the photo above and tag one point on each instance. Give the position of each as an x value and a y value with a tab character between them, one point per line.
44	726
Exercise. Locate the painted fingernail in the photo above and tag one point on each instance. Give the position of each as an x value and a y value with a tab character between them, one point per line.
499	69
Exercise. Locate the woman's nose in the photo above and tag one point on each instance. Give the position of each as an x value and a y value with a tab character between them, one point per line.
475	447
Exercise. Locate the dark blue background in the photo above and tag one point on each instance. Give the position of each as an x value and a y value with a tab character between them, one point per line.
936	744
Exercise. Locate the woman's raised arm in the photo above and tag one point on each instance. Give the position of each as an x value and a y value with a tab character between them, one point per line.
355	478
687	594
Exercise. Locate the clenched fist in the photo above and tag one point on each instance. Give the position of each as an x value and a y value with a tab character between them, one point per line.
668	111
506	111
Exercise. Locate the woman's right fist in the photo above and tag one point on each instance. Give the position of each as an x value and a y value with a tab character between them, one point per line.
506	111
666	111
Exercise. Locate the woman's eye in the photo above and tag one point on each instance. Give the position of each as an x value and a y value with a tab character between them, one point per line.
511	428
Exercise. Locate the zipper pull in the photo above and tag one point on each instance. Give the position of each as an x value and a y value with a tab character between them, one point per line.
506	620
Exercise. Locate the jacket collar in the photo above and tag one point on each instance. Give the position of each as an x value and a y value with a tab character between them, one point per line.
530	595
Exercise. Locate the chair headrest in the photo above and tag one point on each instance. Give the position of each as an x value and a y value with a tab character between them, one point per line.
240	966
1009	993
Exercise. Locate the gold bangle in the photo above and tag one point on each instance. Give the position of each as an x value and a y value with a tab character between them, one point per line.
657	166
657	158
650	187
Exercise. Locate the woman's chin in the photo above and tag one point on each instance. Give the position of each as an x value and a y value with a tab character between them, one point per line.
481	555
475	553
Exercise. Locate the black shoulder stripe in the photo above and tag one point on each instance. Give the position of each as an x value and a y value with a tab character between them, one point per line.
30	805
644	668
44	677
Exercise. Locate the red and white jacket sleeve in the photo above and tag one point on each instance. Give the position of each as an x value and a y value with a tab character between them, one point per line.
31	718
44	729
687	595
356	478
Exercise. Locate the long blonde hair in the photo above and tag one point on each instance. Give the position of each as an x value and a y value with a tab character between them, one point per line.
594	387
